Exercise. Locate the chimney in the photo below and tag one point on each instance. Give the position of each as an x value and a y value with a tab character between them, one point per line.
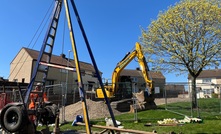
138	69
63	55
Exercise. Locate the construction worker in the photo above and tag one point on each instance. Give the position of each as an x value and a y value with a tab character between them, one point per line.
34	99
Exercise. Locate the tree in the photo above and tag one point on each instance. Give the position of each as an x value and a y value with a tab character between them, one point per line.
185	39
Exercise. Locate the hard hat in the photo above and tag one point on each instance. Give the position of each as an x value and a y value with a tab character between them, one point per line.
39	84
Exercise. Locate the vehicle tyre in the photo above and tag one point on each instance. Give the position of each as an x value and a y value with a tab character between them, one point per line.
50	115
13	119
54	109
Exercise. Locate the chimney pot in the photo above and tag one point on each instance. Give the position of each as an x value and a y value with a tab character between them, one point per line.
63	55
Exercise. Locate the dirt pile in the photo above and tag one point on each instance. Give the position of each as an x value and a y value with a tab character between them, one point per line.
96	109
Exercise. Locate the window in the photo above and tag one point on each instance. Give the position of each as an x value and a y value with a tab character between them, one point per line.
50	82
63	71
207	80
90	86
94	74
42	67
134	79
50	90
208	91
83	73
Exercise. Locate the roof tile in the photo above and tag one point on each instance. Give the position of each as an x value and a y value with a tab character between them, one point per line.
130	72
60	60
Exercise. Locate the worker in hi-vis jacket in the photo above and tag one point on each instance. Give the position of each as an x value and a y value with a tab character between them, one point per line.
34	99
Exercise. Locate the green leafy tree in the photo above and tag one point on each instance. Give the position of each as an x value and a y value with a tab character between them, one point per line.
185	39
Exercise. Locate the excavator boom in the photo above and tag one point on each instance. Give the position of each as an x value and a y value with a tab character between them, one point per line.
112	89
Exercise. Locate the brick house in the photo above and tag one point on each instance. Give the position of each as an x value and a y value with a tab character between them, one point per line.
24	62
136	76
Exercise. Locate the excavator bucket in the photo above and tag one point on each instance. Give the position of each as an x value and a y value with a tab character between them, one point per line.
142	102
139	96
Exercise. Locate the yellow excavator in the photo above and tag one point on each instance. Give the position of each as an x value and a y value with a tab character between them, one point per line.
112	89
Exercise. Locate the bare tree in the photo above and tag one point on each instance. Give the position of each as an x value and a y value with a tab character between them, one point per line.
185	39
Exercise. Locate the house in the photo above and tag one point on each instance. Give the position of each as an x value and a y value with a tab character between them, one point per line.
208	83
136	76
23	64
175	90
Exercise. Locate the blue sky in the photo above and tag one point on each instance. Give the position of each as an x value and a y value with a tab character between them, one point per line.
112	28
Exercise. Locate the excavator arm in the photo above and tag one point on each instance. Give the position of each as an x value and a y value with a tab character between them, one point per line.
143	65
112	89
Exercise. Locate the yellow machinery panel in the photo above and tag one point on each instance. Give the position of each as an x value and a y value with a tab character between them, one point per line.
99	93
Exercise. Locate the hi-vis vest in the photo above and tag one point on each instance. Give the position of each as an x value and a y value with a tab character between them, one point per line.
35	98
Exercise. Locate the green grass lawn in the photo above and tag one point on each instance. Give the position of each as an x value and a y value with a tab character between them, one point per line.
211	122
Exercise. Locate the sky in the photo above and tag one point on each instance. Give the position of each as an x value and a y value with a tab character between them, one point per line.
112	28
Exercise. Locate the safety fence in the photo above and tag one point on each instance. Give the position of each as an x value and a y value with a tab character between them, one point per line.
176	97
173	97
208	100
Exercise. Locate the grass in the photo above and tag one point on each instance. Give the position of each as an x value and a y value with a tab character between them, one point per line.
208	112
